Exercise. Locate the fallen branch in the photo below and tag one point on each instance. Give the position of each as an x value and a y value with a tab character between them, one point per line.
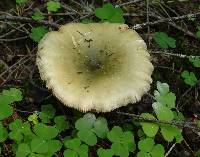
182	124
28	20
140	26
127	3
55	25
173	54
15	39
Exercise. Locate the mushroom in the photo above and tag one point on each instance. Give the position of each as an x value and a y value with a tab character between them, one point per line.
96	66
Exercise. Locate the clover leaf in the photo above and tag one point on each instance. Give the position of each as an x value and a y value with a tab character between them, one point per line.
3	133
163	95
39	145
6	111
45	132
105	152
120	150
148	148
16	130
198	32
195	61
20	131
169	132
23	150
86	122
189	78
178	116
146	145
7	97
150	129
141	134
53	147
89	127
122	142
21	1
115	134
197	123
75	148
88	137
47	113
197	153
60	123
143	154
164	41
38	148
101	127
109	13
158	151
162	112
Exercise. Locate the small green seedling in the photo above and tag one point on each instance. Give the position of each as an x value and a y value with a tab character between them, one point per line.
37	33
164	41
191	18
195	61
37	16
198	153
3	133
189	78
198	32
21	1
53	6
7	97
47	113
33	118
109	13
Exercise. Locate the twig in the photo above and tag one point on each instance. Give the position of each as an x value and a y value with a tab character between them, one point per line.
185	93
133	14
12	31
28	20
164	67
140	26
189	148
82	17
148	28
177	27
127	3
15	39
169	151
7	34
22	60
173	54
182	124
18	110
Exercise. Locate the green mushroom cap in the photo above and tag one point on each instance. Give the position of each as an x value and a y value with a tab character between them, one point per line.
97	66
